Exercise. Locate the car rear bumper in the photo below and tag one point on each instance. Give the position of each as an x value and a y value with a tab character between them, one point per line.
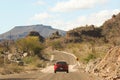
61	69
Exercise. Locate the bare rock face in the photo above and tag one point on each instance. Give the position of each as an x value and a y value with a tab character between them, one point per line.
84	33
55	35
91	65
34	33
109	67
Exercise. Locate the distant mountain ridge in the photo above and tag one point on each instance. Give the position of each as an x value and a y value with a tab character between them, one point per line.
22	31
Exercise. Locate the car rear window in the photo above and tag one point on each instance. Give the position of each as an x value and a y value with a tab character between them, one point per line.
61	63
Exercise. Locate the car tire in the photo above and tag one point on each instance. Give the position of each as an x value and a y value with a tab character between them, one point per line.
54	71
67	71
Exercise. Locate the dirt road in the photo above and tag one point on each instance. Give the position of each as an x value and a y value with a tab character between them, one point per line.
48	73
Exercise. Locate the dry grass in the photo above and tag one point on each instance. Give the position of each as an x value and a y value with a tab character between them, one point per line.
85	50
11	68
34	62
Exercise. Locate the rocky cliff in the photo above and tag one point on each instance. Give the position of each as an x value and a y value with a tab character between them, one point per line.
109	67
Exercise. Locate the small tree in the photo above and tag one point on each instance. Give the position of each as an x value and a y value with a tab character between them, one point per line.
30	44
56	44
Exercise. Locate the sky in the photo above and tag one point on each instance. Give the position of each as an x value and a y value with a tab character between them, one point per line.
60	14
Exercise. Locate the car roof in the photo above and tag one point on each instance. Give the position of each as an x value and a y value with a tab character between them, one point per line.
61	62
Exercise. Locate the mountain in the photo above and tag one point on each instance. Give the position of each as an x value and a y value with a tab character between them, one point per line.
22	31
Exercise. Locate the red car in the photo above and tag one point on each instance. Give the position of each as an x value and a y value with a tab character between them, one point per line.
61	66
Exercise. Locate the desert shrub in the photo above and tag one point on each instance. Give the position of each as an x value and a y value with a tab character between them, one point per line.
57	44
34	61
41	64
30	44
12	68
1	62
30	59
1	49
90	57
15	68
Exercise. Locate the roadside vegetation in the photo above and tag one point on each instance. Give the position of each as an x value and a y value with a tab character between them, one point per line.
86	51
31	45
23	55
55	44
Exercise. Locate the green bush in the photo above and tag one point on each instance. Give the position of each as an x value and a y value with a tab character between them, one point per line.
34	61
30	44
30	59
56	45
90	57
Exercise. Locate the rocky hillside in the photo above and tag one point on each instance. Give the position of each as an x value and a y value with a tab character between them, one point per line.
22	31
108	32
109	67
111	29
84	33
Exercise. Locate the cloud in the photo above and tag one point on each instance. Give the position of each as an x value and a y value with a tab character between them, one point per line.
61	24
72	5
40	2
41	16
56	21
96	18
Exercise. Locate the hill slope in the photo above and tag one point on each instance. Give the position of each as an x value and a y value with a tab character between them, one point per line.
22	31
111	29
85	33
109	67
108	32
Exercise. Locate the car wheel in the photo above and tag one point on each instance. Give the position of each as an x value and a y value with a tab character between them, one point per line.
67	71
54	71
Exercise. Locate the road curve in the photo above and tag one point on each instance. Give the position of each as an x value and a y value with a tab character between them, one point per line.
48	73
